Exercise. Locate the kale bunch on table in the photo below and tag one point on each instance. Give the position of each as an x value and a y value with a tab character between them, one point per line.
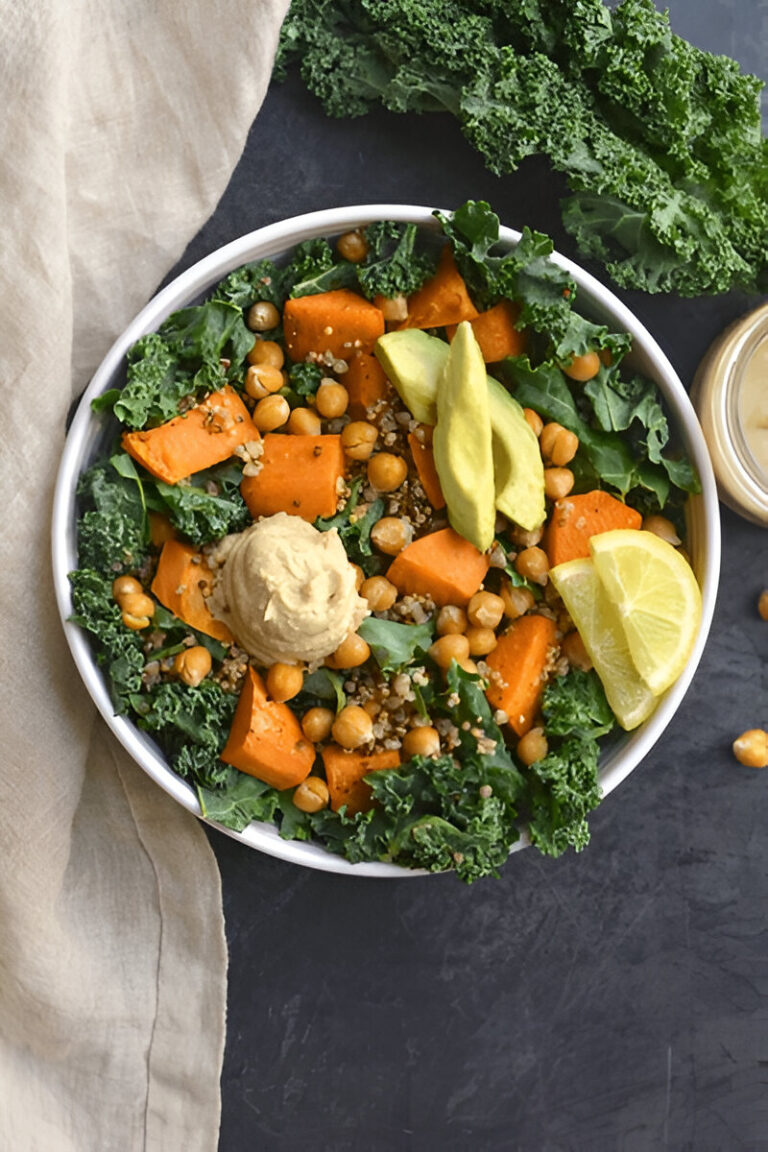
660	142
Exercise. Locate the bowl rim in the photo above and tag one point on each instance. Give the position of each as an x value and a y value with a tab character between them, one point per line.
273	240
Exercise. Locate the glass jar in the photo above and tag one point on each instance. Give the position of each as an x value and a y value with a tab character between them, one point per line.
730	393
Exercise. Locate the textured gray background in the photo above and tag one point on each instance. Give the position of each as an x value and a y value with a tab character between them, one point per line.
616	1000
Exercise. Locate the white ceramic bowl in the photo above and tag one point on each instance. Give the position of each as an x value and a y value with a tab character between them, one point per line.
87	434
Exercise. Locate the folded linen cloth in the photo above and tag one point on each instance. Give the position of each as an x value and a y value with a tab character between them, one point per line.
121	126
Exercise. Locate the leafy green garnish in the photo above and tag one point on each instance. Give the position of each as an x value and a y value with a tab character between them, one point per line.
181	360
563	789
659	141
397	262
394	645
305	377
118	649
238	800
112	531
619	461
207	508
354	527
575	704
180	713
322	688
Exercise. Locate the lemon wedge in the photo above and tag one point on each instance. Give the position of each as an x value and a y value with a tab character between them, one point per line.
657	598
599	625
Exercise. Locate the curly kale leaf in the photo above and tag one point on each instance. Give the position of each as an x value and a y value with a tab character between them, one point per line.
411	57
207	508
563	789
118	649
200	765
659	142
247	285
544	291
395	264
182	714
575	704
182	359
354	524
233	798
305	377
112	530
314	268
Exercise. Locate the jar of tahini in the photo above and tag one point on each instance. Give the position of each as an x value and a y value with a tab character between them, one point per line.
730	393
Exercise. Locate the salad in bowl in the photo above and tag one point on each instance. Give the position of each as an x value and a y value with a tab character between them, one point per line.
387	542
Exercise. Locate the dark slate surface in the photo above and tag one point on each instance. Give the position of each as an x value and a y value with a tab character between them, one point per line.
616	1000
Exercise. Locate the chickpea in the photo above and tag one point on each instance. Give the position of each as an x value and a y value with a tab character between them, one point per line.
533	565
262	379
379	592
558	482
284	681
575	653
448	648
517	601
331	399
762	605
311	795
582	368
253	385
386	472
358	438
352	727
271	413
316	724
533	420
193	665
558	444
468	665
424	741
262	316
351	653
135	623
304	422
524	538
751	748
390	535
481	640
451	620
266	352
352	246
359	576
485	610
137	609
125	586
394	308
663	528
532	747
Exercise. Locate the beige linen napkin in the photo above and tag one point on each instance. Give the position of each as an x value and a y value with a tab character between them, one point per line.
121	124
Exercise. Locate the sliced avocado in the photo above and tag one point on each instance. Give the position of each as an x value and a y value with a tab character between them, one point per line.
518	467
414	361
462	441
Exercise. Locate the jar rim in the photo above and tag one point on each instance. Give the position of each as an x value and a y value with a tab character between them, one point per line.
717	392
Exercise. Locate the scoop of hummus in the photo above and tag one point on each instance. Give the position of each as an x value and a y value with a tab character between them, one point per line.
286	590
